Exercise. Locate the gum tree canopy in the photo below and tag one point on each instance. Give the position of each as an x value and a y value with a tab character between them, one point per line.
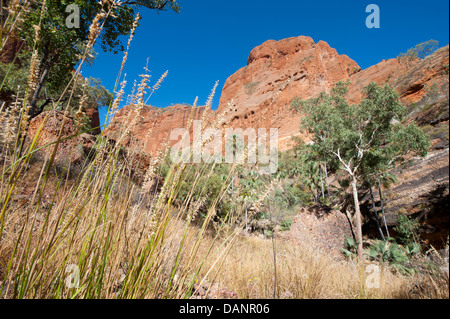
60	47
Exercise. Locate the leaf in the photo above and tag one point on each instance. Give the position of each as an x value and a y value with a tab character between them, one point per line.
350	243
347	253
372	253
414	248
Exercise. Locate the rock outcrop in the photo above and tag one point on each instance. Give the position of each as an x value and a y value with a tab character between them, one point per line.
153	125
278	72
320	227
73	150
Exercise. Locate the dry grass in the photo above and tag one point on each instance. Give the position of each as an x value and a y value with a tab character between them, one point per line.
303	273
124	245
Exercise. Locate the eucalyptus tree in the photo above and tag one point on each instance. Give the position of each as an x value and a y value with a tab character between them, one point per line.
362	138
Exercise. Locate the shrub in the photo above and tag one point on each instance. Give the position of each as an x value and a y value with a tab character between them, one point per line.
350	247
407	230
421	50
394	254
250	87
296	103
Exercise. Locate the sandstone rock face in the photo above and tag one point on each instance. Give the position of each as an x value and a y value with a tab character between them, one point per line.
423	77
74	149
413	79
276	73
280	71
153	125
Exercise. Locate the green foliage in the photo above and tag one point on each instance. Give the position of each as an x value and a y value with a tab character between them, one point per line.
300	176
362	140
362	137
15	79
59	48
97	94
158	4
350	247
296	103
398	252
289	196
421	50
205	188
286	224
12	77
394	254
389	251
407	230
445	66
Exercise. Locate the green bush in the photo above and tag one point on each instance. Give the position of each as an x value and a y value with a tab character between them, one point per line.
396	255
350	247
407	230
286	224
421	50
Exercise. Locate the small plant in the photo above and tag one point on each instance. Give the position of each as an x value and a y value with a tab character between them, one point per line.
445	67
286	224
394	254
250	87
268	233
350	248
407	230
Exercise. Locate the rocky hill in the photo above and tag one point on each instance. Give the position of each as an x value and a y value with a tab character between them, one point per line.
279	73
153	125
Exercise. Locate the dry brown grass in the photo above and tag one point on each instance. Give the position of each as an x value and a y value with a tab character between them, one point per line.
303	273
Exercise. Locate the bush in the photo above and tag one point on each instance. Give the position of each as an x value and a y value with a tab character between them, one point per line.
350	247
421	50
396	255
407	230
286	224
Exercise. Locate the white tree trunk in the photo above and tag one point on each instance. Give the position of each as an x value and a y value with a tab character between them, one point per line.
358	219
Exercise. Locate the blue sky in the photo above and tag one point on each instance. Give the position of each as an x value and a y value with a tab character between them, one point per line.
211	39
